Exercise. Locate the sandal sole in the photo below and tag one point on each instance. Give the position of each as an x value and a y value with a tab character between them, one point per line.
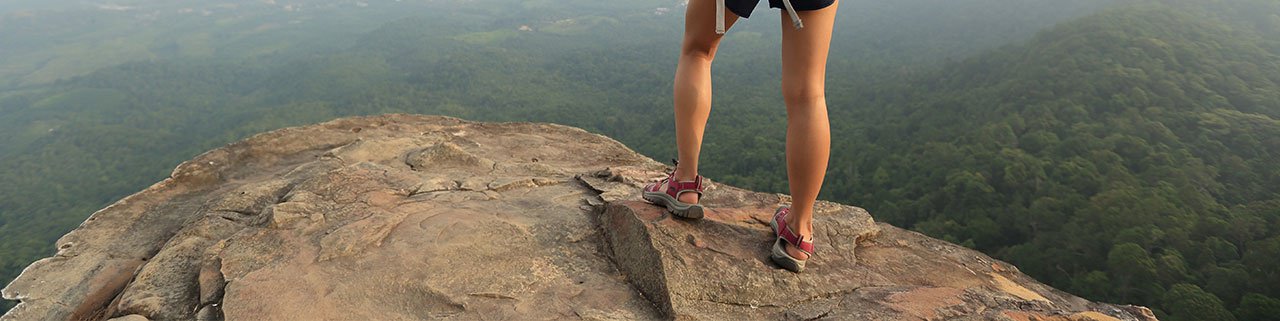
691	211
780	257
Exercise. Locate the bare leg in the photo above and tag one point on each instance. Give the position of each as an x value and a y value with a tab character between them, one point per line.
804	69
693	85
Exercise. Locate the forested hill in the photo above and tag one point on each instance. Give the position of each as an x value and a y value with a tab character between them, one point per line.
1130	156
187	76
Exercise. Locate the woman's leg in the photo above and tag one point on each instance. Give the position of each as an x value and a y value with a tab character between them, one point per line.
804	69
693	85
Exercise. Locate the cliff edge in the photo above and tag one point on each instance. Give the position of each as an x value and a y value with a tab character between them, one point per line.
405	217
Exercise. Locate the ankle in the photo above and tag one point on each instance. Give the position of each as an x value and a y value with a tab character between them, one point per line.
804	229
683	175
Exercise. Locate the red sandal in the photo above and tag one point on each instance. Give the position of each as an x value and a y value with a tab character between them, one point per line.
779	254
670	198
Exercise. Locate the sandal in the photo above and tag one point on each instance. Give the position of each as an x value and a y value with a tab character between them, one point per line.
779	254
670	198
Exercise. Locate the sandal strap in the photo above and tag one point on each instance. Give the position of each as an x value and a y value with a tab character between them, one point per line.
785	233
695	185
682	187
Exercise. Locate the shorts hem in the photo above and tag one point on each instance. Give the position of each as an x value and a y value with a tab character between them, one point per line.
744	15
803	5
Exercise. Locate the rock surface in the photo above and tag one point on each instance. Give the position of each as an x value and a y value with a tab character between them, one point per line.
403	217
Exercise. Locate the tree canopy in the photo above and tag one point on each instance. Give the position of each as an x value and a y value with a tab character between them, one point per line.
1125	156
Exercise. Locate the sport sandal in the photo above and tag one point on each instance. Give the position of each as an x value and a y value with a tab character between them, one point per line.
779	254
670	198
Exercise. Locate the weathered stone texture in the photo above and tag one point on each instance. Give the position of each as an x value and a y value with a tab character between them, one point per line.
403	217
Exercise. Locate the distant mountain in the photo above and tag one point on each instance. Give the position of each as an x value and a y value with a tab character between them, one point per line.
47	41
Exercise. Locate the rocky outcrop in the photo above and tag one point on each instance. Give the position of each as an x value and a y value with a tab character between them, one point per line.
402	217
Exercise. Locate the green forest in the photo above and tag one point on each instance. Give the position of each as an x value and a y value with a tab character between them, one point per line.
1126	152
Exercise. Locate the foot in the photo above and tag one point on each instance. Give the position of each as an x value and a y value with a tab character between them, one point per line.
805	232
690	198
792	247
680	197
687	198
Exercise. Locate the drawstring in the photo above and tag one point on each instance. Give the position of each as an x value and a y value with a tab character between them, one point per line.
791	11
720	17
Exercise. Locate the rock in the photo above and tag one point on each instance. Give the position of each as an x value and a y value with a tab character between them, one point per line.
718	267
211	282
131	317
209	313
446	155
415	217
289	214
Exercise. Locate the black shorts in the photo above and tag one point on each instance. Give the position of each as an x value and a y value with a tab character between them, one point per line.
743	8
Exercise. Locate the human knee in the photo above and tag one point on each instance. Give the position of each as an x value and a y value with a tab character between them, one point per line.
699	49
803	94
